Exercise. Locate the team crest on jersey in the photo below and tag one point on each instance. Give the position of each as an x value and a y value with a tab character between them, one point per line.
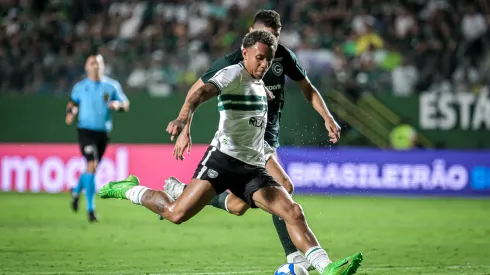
106	97
212	174
277	68
226	140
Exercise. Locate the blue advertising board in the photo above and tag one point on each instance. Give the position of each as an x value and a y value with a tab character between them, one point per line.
377	172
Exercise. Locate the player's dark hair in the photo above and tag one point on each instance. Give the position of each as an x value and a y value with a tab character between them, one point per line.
261	36
270	19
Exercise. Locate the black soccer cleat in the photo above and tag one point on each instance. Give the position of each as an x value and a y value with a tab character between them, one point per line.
74	203
92	217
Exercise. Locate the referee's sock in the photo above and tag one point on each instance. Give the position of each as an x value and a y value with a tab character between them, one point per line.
78	189
89	184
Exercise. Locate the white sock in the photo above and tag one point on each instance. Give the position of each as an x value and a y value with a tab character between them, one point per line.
134	194
318	258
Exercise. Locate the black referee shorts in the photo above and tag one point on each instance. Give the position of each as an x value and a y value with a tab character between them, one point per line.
92	143
228	173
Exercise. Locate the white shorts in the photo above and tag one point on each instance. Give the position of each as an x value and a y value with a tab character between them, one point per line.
269	151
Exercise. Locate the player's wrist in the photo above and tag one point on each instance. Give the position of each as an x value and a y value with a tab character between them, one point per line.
329	118
182	120
117	105
69	111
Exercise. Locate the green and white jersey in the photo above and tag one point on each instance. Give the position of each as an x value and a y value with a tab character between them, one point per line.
284	64
242	105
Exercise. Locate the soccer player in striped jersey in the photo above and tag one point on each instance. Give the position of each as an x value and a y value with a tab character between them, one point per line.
283	64
235	160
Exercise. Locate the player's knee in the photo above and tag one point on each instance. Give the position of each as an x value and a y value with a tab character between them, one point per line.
91	166
237	208
238	211
296	213
177	217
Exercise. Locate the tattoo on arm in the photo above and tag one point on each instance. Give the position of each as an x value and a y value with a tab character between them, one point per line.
194	99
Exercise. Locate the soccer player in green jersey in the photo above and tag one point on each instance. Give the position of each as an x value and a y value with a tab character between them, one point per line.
284	64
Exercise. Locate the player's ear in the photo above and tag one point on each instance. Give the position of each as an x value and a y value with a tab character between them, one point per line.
250	29
245	53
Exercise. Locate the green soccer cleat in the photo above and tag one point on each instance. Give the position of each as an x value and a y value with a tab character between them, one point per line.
118	189
345	266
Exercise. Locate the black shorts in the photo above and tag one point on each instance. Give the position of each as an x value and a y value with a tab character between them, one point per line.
92	143
228	173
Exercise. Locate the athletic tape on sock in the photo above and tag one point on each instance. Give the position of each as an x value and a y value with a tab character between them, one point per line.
136	193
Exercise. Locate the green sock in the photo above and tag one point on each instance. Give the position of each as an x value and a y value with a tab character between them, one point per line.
282	231
219	201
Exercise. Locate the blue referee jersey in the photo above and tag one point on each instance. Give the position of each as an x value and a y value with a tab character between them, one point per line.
92	98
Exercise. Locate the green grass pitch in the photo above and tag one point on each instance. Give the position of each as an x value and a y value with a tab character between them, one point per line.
40	235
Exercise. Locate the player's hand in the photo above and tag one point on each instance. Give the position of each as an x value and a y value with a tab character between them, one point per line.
183	144
71	112
115	105
69	118
174	128
333	129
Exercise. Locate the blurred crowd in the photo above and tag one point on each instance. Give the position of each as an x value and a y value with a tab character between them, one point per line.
160	47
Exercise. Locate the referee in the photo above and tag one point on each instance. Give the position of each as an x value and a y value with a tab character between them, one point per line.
92	99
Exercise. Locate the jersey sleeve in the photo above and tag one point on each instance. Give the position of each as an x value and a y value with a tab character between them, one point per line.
215	67
292	68
75	94
118	94
226	78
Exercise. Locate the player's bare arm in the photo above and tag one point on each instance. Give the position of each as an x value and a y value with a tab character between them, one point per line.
198	84
314	97
192	101
184	141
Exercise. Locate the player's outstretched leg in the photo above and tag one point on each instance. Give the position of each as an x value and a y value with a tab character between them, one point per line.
276	201
192	200
174	187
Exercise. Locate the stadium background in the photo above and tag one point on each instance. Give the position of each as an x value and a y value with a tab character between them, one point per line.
407	80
